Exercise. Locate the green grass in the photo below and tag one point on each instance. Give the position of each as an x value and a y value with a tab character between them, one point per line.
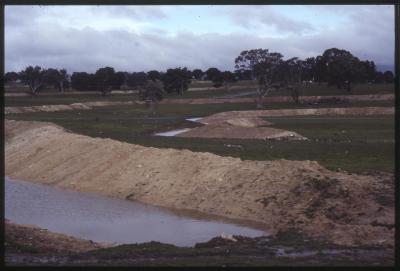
308	90
352	143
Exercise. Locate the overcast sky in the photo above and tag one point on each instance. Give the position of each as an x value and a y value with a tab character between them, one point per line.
142	38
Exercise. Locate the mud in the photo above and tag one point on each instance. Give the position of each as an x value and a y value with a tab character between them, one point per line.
35	239
288	248
343	208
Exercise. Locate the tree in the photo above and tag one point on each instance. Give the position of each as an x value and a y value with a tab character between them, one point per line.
243	75
176	80
197	73
34	77
58	78
342	68
118	79
137	80
154	75
308	69
104	79
212	73
263	66
378	78
11	77
291	76
370	70
388	77
319	70
83	81
223	78
152	94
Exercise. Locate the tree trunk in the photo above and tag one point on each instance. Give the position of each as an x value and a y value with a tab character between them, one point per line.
259	99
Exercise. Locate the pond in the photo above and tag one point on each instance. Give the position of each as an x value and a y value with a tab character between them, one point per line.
103	219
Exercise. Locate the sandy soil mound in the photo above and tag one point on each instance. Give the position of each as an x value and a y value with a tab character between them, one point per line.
61	107
344	208
227	130
247	122
223	116
240	128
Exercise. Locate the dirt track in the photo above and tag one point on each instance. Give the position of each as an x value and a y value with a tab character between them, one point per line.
344	208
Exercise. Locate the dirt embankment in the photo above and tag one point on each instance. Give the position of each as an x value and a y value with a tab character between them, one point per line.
282	99
61	107
44	241
241	128
90	105
248	124
254	114
344	208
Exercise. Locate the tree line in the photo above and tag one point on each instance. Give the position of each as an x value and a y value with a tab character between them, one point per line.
106	79
335	67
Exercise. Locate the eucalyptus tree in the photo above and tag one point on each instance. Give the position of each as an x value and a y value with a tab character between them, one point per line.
264	67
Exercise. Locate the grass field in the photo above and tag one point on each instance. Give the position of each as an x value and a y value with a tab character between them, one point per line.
307	90
352	143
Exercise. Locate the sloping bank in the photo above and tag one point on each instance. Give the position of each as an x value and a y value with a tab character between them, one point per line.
346	209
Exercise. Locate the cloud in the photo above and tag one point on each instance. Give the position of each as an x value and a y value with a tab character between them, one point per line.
370	35
265	16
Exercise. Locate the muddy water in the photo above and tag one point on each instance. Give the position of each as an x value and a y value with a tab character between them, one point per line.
103	219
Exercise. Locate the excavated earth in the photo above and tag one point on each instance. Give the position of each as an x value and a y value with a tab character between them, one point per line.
90	105
346	209
241	128
254	114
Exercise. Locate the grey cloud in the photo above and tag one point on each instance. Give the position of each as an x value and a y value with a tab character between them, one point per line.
25	15
257	16
88	49
130	12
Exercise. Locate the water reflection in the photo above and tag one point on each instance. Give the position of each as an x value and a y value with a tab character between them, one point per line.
103	219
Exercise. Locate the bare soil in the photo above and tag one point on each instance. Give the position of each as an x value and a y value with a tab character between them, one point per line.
29	245
31	237
247	124
60	107
241	128
254	114
344	208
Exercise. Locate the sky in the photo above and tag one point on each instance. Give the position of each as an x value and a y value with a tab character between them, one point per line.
143	38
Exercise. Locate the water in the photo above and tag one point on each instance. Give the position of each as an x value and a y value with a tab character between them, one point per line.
194	119
103	219
173	132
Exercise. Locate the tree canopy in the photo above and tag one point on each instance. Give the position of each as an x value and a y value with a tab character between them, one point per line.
176	80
